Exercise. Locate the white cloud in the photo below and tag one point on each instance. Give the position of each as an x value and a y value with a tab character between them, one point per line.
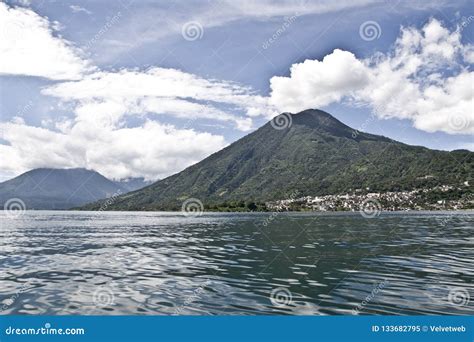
139	28
424	78
29	46
23	2
152	150
98	136
78	9
316	83
271	8
469	54
110	96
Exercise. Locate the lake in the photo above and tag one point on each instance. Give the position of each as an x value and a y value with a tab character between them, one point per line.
152	263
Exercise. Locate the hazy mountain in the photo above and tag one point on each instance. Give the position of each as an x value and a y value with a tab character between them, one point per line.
58	188
315	155
131	184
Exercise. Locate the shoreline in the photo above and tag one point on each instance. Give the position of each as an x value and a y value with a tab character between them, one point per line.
252	212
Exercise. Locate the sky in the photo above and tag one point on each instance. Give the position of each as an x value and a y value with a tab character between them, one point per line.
147	88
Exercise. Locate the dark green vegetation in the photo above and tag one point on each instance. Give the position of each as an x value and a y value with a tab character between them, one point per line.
316	155
62	188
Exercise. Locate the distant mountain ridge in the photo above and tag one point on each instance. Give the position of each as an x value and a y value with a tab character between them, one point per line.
47	188
134	183
311	153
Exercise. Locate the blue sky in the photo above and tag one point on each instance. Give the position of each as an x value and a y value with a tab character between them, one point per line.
146	88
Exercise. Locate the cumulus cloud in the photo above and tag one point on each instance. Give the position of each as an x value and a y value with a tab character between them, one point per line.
111	95
153	150
316	83
100	137
29	46
425	78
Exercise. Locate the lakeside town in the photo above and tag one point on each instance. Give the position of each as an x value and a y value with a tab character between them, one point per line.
445	197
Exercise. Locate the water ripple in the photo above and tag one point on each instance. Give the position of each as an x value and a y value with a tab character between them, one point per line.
224	264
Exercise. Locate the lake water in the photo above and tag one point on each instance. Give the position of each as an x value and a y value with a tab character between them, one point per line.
144	263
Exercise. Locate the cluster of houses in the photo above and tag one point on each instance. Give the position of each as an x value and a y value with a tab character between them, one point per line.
386	201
